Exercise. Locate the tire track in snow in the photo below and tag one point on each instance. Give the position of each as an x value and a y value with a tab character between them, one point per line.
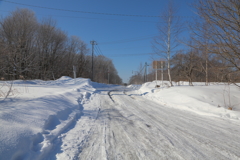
144	122
196	137
116	144
127	137
138	128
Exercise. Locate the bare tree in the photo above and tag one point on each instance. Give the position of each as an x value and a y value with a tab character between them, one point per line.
186	66
51	46
223	18
201	41
167	40
17	36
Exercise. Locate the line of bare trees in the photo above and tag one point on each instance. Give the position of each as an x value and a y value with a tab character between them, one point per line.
190	66
213	52
39	50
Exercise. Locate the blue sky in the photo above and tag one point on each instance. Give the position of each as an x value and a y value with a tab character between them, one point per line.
126	40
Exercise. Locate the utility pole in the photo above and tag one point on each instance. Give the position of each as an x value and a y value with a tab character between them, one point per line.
145	72
155	66
108	74
93	43
162	71
156	70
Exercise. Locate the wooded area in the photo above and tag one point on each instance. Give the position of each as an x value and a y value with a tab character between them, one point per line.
30	49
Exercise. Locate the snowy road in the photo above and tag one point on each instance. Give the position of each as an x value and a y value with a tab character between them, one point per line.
72	119
129	126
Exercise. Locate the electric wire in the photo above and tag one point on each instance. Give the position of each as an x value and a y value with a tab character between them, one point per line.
107	19
129	40
88	12
96	52
126	48
99	50
127	55
68	10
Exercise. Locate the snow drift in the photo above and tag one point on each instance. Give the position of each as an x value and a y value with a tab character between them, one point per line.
216	99
31	120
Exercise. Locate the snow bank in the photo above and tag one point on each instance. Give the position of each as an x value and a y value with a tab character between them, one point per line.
213	100
32	119
134	87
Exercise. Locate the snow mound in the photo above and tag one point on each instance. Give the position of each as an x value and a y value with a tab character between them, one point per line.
213	100
64	78
31	121
134	87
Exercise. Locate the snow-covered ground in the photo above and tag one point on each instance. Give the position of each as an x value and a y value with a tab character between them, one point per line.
37	113
69	119
216	99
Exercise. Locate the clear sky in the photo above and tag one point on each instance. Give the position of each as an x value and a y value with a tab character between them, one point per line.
126	40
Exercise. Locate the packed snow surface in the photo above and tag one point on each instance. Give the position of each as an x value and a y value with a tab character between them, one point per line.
70	119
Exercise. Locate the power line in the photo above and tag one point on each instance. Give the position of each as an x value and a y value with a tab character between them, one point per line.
88	12
127	55
67	10
126	48
108	19
99	50
96	52
129	40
